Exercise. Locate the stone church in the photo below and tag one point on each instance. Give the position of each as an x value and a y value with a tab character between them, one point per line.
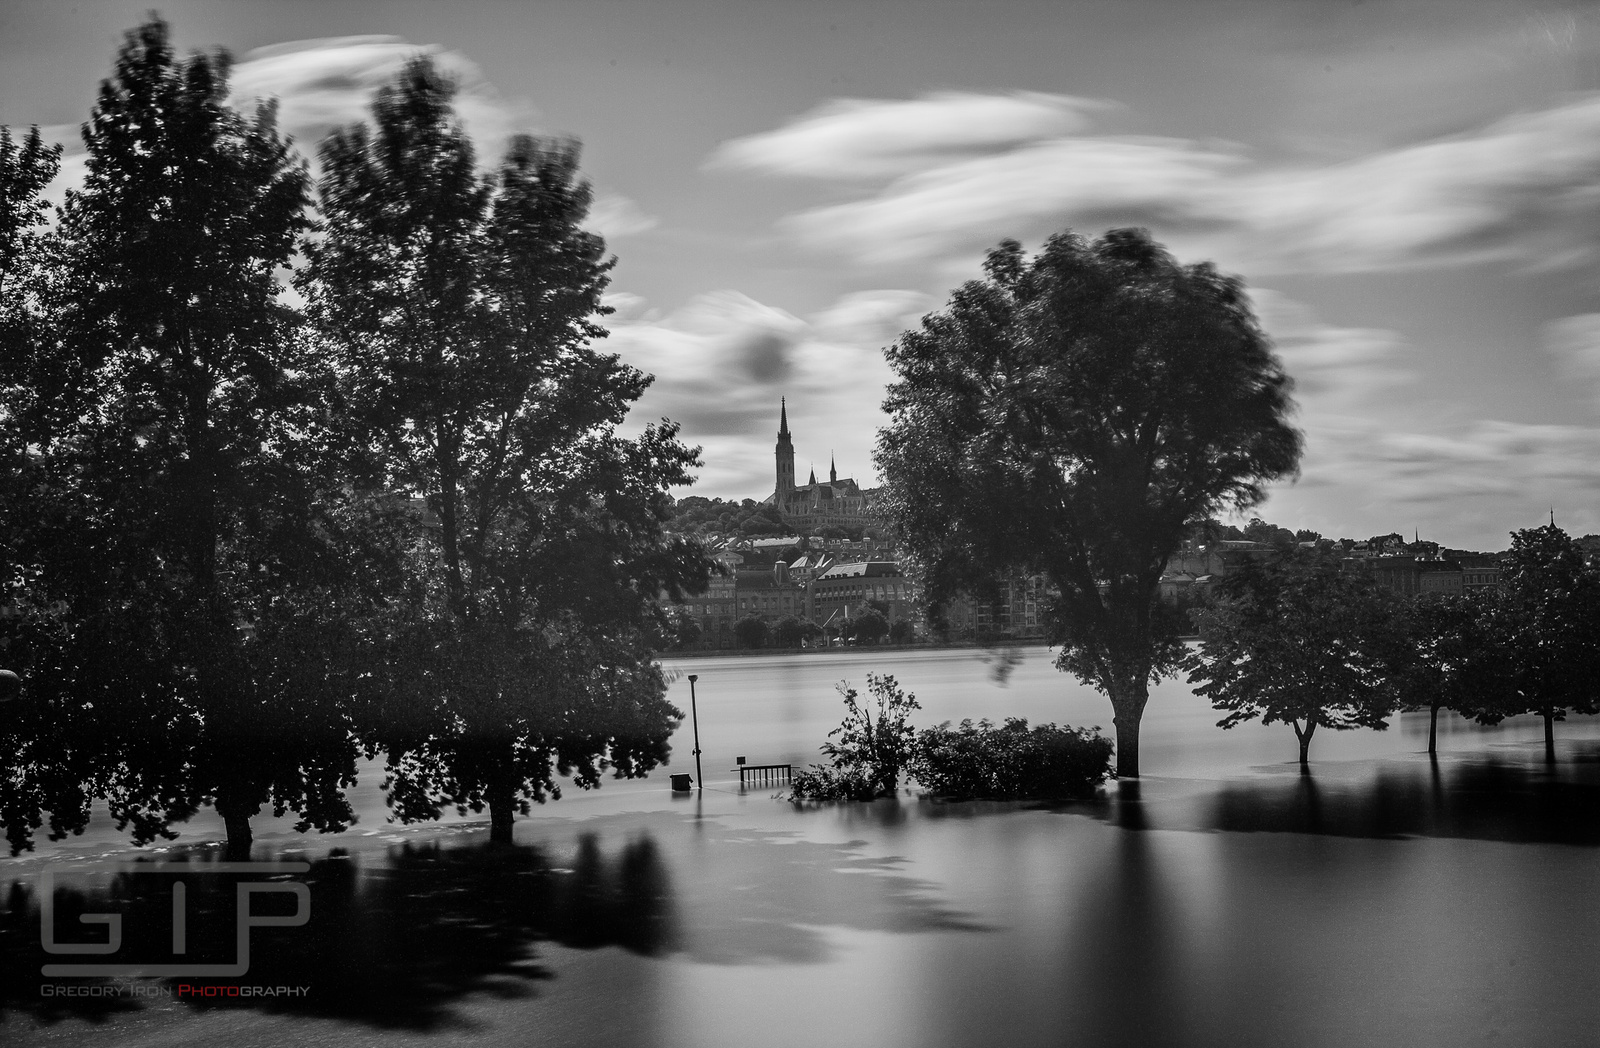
814	503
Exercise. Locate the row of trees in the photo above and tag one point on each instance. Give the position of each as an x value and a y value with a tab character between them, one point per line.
244	543
1301	643
870	625
713	518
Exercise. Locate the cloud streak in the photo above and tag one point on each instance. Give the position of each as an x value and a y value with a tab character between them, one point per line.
860	138
1575	343
328	83
1525	189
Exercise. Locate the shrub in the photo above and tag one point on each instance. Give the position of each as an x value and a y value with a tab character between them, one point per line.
1010	762
831	784
873	749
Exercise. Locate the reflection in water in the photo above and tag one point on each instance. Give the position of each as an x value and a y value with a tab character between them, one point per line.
1131	981
1482	798
400	941
393	946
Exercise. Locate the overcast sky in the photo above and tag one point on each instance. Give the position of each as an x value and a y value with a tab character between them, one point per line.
1410	190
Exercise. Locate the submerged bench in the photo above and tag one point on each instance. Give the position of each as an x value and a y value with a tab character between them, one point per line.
765	773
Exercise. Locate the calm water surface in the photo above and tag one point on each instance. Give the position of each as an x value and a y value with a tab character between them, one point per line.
1223	900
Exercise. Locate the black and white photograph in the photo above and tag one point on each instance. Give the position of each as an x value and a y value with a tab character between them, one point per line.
791	523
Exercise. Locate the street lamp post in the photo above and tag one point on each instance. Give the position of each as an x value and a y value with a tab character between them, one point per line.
694	717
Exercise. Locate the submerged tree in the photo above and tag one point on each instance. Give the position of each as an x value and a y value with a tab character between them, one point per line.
1452	659
1547	624
186	499
1302	644
461	311
1071	416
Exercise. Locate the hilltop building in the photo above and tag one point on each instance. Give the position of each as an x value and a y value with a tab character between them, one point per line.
813	504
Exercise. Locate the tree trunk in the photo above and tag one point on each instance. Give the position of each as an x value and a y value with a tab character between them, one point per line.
236	817
1127	705
1550	736
1433	731
239	838
1305	741
502	804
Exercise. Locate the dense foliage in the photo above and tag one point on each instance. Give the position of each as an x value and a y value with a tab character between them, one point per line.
751	631
176	508
1302	644
1108	398
241	543
1547	623
1010	762
877	745
459	312
1297	640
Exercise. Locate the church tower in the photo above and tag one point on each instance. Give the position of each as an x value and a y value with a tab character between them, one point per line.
785	453
833	474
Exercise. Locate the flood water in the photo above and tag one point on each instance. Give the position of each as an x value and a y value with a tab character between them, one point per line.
1224	899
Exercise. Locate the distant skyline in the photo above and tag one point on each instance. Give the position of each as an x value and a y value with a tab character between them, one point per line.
1410	190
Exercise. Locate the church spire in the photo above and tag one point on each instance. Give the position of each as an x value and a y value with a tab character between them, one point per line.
813	476
784	454
833	474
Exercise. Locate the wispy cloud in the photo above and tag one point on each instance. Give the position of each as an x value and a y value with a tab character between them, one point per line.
1337	370
859	138
1524	189
327	83
614	215
1478	480
1575	343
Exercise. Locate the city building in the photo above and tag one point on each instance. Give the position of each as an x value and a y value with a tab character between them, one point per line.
841	591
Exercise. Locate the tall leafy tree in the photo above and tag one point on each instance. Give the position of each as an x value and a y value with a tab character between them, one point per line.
1547	622
183	443
1072	415
41	773
462	307
1452	659
1303	644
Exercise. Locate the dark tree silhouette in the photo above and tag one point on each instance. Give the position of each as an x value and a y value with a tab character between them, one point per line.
461	310
170	425
1073	415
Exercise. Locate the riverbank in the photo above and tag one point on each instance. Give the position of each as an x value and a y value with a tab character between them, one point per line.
838	649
